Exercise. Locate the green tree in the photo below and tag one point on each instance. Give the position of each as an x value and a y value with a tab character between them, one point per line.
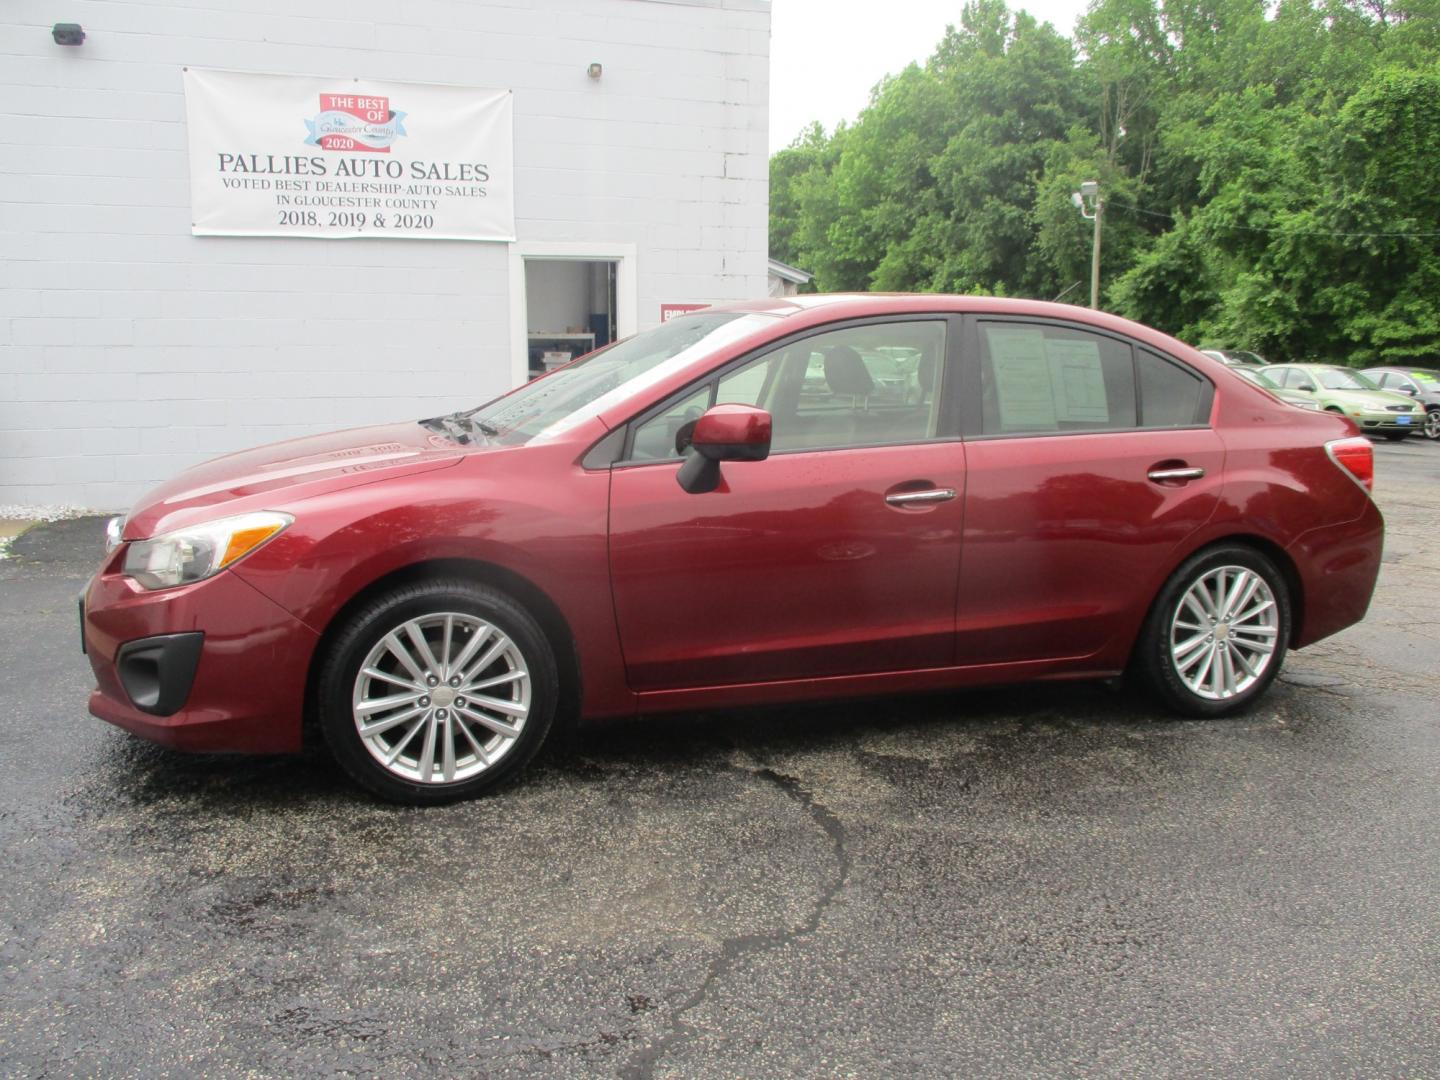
1268	168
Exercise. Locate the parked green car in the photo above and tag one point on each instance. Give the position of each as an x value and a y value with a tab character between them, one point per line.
1342	390
1290	397
1236	357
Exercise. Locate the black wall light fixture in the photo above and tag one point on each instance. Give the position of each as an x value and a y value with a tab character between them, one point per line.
68	33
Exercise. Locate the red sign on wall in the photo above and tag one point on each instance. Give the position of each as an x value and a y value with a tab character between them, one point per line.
669	311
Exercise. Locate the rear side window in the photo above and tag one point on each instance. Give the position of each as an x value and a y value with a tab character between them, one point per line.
1038	378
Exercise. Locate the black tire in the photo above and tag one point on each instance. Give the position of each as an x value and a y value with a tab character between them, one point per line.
1155	653
1432	424
470	610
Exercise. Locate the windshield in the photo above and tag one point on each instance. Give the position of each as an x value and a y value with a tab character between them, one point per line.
557	402
1340	379
1428	380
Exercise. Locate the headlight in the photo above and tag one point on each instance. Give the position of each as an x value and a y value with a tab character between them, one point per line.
196	552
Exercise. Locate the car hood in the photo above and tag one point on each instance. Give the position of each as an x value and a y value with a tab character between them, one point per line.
1295	397
284	472
1369	399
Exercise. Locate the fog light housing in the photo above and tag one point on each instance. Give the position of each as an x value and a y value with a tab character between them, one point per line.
157	672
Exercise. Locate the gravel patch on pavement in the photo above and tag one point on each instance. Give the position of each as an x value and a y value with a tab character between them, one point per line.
15	518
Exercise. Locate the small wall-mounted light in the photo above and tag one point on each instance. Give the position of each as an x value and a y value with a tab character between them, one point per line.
68	33
594	71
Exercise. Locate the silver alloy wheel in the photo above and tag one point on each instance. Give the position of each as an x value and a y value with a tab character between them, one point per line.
1432	424
1223	633
441	698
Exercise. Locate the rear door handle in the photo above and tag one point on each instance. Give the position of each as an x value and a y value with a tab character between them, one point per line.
1161	476
910	498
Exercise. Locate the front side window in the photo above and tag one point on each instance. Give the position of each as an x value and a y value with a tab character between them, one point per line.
869	385
1393	380
865	386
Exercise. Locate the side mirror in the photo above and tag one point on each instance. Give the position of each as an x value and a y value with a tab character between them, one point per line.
1408	390
1308	387
724	433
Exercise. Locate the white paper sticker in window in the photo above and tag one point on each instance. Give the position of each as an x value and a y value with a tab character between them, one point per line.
1078	380
1023	390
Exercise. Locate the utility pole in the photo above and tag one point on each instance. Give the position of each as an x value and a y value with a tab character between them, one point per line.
1090	193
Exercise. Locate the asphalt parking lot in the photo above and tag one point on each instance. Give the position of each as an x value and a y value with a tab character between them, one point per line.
1035	882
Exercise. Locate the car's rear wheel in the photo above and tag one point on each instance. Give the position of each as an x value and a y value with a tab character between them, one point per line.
1217	634
437	691
1432	423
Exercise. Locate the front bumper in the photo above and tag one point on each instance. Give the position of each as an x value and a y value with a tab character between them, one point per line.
213	666
1388	421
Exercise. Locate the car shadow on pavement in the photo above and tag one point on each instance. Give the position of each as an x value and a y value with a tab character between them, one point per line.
140	773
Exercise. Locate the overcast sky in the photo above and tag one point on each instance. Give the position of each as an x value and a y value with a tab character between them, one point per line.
825	55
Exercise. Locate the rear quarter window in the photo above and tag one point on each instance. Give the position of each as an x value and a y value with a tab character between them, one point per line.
1170	395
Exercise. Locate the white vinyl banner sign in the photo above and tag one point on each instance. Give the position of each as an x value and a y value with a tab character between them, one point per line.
279	155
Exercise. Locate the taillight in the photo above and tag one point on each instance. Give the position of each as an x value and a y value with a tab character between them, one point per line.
1357	457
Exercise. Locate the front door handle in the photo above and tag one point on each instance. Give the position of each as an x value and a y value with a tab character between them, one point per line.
910	498
1177	475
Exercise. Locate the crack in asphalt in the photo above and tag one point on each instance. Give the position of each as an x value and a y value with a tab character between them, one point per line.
735	949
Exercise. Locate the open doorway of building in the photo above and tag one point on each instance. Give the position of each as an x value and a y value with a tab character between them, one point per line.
569	310
566	298
556	285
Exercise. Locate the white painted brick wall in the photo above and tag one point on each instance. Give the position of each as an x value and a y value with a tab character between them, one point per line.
130	349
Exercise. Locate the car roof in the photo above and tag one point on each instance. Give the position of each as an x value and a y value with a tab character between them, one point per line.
817	307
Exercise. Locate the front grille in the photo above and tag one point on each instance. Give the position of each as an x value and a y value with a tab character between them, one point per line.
1400	408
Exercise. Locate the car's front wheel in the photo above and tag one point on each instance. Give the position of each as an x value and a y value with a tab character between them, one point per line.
437	691
1217	634
1432	423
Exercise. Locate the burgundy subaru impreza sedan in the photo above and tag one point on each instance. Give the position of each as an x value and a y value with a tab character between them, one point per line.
808	498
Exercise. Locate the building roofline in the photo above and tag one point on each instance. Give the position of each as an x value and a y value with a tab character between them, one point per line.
789	273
